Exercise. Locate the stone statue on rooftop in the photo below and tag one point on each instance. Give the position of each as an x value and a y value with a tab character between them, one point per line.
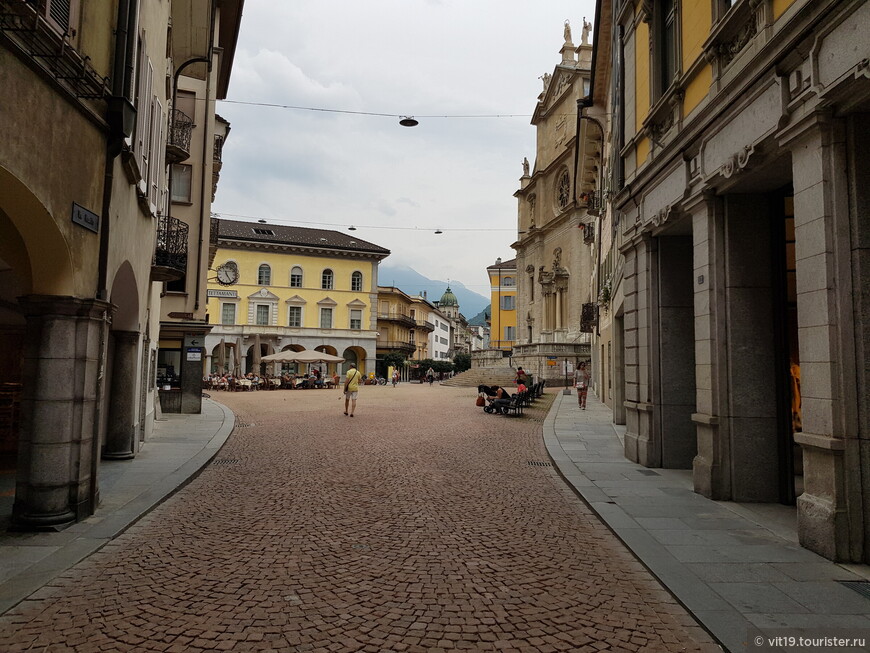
586	29
525	167
567	31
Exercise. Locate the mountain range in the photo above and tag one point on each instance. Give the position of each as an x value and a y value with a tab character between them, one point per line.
412	282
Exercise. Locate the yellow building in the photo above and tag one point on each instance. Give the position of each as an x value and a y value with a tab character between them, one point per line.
276	288
503	303
405	325
734	259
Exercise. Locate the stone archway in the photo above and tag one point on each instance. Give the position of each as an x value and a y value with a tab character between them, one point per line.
56	467
123	362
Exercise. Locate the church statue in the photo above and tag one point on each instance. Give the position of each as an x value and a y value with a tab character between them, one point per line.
525	167
567	32
586	28
546	78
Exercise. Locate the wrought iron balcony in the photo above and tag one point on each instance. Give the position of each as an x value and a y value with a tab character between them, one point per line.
398	318
180	131
41	32
170	254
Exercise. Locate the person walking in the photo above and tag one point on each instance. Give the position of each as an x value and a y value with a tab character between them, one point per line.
582	377
351	388
395	377
430	375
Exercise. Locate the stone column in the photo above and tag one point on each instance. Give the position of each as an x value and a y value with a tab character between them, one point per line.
640	444
64	353
557	299
829	511
120	427
712	464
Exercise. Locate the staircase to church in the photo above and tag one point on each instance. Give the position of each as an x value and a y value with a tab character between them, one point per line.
503	376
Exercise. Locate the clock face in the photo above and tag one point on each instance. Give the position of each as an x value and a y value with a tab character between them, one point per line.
227	274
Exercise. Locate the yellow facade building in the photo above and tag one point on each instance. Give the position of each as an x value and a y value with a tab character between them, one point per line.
275	288
503	304
732	259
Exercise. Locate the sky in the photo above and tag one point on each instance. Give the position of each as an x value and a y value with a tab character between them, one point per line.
336	166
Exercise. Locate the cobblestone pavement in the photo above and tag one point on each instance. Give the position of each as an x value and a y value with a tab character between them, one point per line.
420	524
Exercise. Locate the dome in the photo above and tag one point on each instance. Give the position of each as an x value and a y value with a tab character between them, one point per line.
448	299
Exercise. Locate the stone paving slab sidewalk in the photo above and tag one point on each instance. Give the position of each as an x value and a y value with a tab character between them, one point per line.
180	446
738	578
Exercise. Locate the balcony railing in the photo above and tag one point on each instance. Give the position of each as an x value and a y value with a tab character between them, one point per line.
42	32
180	131
425	324
396	345
170	254
399	318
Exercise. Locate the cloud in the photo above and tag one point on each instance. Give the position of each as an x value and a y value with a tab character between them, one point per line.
425	58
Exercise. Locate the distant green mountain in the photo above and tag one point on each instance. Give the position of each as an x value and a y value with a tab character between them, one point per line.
480	318
412	282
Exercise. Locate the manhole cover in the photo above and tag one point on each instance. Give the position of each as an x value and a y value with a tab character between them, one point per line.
226	461
538	463
860	586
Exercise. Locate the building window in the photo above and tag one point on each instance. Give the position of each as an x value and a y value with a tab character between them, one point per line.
563	190
356	318
510	333
228	314
326	280
182	176
295	316
185	101
356	282
296	277
262	315
325	318
264	275
508	281
443	341
666	44
508	303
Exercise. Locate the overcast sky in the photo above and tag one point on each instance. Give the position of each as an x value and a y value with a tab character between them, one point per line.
397	185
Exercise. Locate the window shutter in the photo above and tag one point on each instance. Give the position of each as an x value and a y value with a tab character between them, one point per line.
58	13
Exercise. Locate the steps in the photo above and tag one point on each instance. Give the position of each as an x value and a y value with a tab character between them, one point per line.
503	376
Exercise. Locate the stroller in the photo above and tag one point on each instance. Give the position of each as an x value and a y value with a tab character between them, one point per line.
493	403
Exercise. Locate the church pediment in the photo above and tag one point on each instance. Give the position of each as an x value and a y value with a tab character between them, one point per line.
264	295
